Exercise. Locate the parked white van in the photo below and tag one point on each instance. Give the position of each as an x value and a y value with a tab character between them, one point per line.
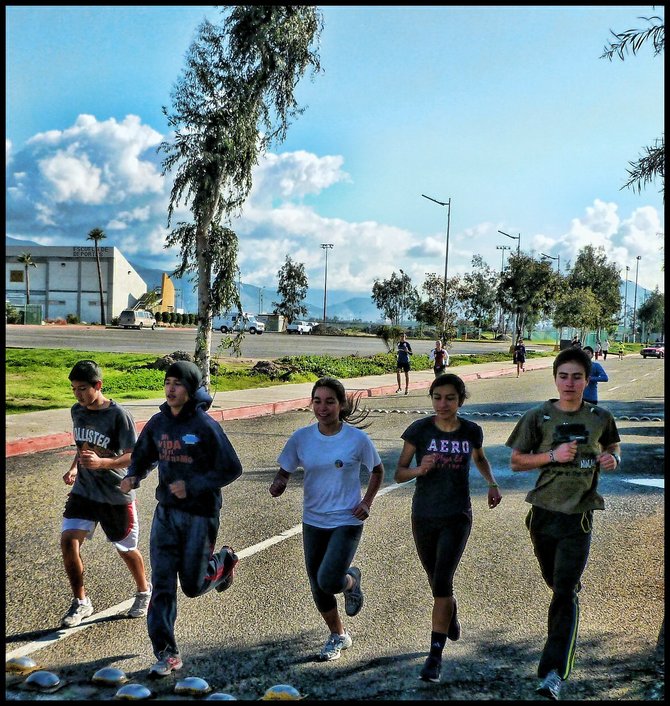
234	322
140	318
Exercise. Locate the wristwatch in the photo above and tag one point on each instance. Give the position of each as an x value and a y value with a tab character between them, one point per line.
552	458
617	458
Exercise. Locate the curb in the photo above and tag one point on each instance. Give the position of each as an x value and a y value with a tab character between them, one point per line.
50	442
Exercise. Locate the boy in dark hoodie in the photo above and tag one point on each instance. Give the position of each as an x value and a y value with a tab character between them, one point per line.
195	460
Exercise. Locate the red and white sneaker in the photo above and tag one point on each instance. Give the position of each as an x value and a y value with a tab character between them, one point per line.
167	663
230	564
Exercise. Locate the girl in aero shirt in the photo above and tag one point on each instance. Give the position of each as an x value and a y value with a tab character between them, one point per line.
441	510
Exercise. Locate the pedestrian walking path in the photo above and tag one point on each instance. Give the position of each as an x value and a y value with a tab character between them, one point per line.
52	429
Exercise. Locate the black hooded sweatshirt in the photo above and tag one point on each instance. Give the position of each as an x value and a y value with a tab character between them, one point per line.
191	447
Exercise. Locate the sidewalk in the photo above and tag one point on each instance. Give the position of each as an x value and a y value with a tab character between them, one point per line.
52	429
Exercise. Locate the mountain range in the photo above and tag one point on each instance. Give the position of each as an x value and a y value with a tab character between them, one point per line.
259	300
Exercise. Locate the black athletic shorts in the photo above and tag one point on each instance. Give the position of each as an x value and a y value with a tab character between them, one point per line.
116	520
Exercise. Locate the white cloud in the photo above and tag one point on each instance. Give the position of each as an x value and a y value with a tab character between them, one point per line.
71	177
294	175
107	174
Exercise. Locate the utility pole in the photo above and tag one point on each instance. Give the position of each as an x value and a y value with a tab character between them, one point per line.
518	252
446	262
502	267
326	247
624	336
637	265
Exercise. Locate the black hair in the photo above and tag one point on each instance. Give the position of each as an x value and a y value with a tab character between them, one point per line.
576	355
450	379
349	411
587	348
87	371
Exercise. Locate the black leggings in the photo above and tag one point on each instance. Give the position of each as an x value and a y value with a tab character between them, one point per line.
440	543
328	556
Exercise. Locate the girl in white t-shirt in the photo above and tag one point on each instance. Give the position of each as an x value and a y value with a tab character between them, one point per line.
331	452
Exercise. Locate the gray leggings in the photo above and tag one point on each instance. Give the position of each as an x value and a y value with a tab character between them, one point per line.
328	556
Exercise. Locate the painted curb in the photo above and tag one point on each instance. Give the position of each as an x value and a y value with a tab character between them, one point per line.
50	442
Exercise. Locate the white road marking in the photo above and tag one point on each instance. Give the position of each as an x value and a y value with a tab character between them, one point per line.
651	482
58	635
609	389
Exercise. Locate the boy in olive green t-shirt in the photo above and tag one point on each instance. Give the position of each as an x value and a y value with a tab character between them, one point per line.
569	441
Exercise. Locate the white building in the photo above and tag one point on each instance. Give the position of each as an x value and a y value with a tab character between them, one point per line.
65	281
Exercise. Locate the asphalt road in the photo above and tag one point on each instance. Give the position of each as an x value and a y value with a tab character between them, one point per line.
265	630
167	340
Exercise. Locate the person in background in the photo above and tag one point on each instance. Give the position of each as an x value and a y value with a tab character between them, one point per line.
404	352
570	443
332	453
597	375
605	345
519	356
195	460
104	433
440	358
443	445
622	350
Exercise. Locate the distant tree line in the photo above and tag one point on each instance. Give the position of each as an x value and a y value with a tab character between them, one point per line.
586	296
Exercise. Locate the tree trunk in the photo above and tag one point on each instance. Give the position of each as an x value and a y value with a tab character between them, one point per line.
102	300
27	286
203	340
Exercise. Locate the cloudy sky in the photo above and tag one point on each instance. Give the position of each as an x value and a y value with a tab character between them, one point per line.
508	111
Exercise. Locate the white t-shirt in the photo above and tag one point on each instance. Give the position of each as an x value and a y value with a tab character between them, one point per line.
332	465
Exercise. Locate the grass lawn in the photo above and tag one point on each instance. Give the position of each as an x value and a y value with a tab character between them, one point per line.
37	379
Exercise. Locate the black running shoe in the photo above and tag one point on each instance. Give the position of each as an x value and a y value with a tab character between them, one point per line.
230	562
454	631
431	670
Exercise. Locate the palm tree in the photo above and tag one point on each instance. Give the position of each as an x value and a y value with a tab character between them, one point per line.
25	258
95	235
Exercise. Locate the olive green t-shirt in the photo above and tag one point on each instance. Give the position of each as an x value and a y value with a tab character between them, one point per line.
566	487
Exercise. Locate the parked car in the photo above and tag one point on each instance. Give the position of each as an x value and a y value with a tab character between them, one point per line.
137	318
235	322
299	327
656	350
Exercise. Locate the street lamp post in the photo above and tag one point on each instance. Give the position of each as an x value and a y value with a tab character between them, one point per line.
558	270
625	307
518	252
551	257
446	261
637	265
502	267
326	247
513	237
402	297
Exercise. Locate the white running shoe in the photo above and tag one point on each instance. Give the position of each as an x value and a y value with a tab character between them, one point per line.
334	646
140	606
78	611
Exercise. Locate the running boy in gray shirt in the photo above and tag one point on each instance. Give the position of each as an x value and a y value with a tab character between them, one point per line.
104	433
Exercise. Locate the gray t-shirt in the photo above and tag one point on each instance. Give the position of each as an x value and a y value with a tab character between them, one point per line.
108	432
572	487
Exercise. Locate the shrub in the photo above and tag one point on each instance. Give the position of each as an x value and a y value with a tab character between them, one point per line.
12	314
72	319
